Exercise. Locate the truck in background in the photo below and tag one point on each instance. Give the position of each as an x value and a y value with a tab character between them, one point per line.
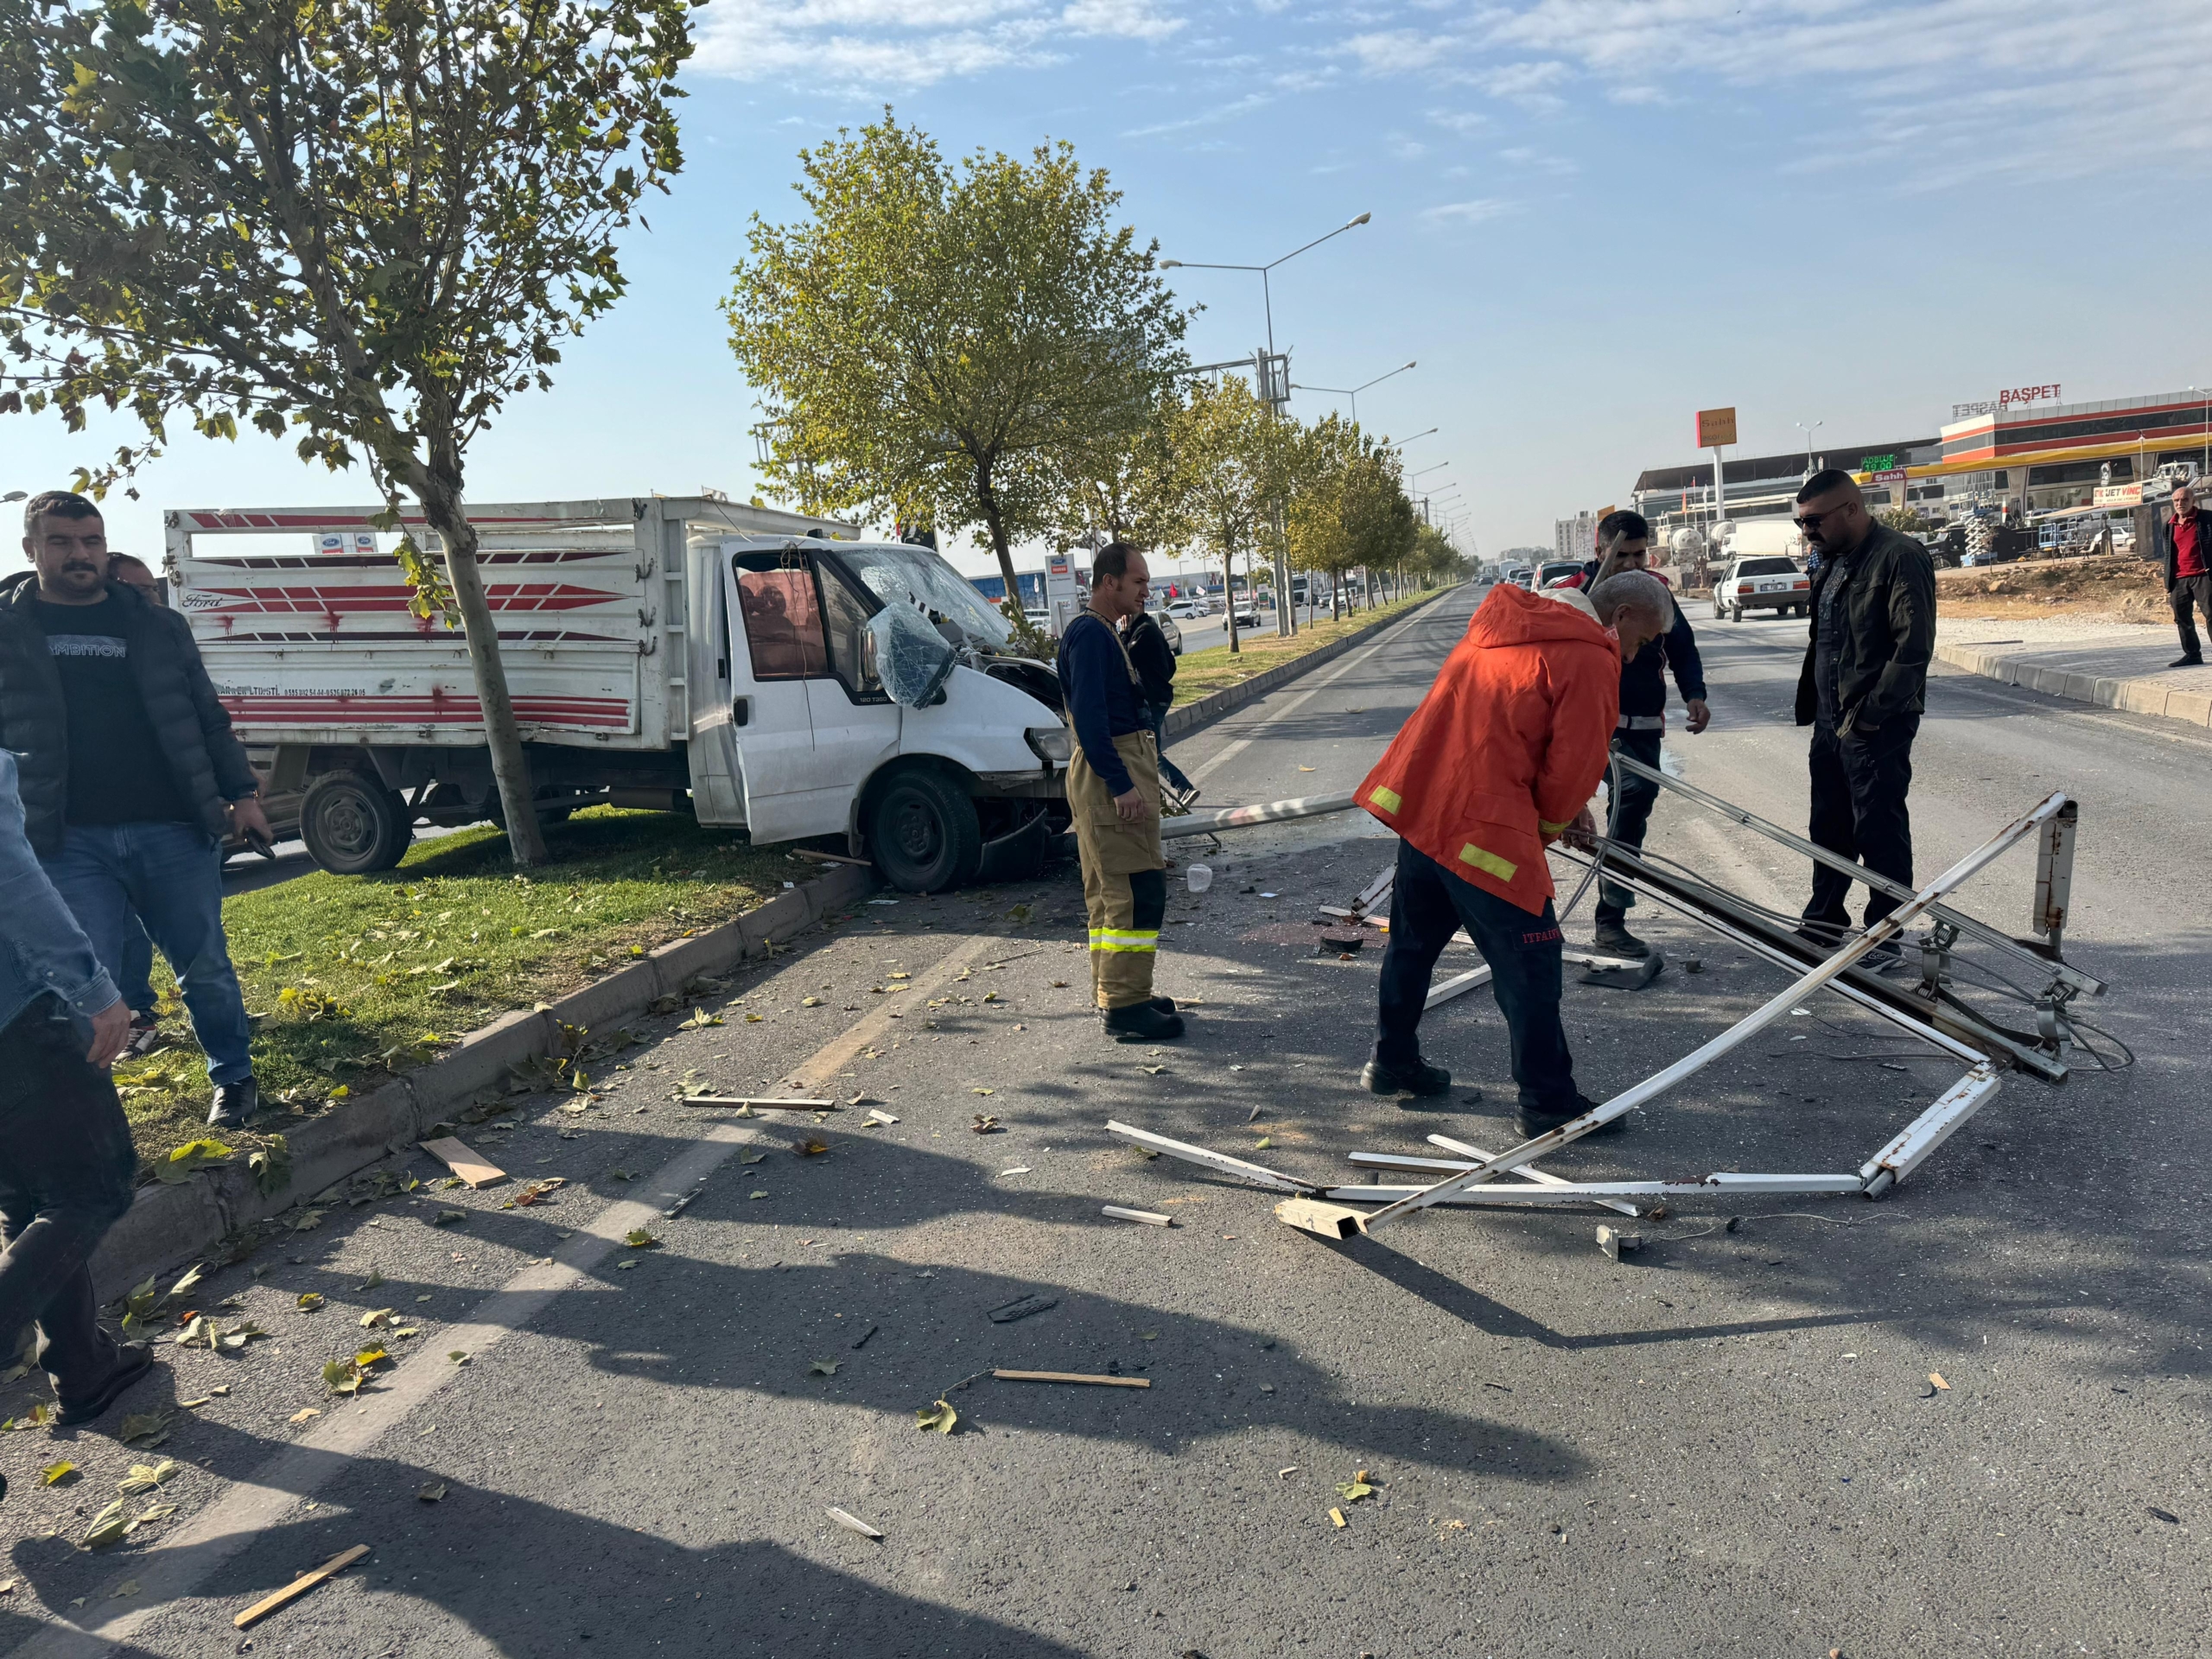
758	669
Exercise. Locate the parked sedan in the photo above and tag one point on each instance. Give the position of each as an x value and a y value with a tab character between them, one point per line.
1188	608
1767	583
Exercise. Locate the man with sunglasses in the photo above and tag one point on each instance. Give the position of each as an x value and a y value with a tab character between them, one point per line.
1862	690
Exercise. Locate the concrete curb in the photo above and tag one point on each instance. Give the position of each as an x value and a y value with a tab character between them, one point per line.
2129	695
1213	706
167	1226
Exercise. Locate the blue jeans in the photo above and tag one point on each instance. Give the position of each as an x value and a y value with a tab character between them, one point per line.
136	982
1427	906
172	875
1168	769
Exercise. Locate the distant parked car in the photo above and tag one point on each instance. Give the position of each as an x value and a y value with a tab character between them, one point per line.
1188	608
1168	630
1246	615
1553	571
1769	582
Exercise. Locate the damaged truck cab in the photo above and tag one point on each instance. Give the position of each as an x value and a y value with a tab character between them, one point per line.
758	669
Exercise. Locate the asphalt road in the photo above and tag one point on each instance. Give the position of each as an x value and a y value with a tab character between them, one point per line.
1726	1444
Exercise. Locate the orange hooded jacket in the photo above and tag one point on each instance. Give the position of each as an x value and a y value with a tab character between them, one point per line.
1507	746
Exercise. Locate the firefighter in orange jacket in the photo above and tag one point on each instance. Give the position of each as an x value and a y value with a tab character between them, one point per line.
1499	760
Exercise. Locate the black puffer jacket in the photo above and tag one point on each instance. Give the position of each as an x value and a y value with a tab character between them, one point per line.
208	762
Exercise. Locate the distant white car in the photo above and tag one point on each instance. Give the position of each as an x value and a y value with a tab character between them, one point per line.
1038	619
1187	608
1247	616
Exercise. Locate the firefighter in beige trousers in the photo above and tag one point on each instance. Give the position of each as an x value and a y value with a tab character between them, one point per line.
1113	788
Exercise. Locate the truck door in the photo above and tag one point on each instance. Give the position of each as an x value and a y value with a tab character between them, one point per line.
778	644
857	724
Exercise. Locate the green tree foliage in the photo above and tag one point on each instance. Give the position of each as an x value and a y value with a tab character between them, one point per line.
367	223
1233	460
942	344
1129	485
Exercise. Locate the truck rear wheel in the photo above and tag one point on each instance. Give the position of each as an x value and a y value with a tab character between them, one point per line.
353	825
924	832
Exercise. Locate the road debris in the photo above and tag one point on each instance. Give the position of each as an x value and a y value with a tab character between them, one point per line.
431	1491
301	1585
824	1368
939	1416
2166	1515
877	1117
987	1124
1937	1377
1019	1169
1021	1307
1073	1377
860	1341
751	1103
1151	1218
1612	1242
1357	1487
1337	1516
853	1522
464	1163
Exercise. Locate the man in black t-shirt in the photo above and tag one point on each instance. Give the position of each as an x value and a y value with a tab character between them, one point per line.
131	775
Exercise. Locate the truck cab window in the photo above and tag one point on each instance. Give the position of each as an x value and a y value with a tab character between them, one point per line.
847	616
783	622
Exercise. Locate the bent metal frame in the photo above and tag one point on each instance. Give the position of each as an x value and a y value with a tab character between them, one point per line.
1474	1177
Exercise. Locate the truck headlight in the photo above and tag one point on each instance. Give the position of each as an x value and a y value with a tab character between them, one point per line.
1055	745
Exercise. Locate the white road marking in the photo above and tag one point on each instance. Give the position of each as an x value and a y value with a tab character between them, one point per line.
176	1566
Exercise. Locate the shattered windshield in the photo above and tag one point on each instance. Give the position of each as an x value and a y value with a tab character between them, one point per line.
916	576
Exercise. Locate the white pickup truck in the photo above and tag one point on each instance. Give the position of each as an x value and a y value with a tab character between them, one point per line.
759	669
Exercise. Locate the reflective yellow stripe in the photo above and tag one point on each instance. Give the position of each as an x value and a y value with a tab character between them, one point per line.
1389	799
1551	829
1488	863
1145	943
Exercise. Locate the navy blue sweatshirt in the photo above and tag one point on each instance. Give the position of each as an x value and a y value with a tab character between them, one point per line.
1102	700
1643	683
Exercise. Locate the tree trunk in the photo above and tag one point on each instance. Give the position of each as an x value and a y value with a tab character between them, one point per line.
1228	595
502	734
994	521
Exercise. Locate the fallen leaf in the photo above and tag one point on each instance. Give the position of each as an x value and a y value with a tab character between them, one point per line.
620	1175
1337	1516
301	1416
824	1368
809	1148
374	1280
145	1478
342	1376
638	1239
1262	1144
194	1405
940	1417
381	1316
810	1002
140	1425
157	1512
56	1473
1148	1336
110	1526
430	1491
762	1194
1352	1490
310	1300
459	1356
985	1123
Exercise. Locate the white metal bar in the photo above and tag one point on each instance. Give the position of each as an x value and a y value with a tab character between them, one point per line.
1888	928
1931	1129
1875	880
1218	1161
1600	1192
1458	985
1240	817
1541	1177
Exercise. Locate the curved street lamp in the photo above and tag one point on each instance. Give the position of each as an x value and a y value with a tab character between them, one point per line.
1267	296
1353	392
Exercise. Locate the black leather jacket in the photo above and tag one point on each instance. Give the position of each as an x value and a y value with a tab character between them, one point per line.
1889	632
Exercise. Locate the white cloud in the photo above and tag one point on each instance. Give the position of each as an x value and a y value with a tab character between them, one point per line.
1467	212
905	43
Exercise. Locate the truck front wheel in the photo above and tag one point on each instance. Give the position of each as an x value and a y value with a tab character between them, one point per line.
353	825
923	833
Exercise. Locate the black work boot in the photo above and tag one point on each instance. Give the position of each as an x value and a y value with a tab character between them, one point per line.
132	1360
1613	939
235	1105
1407	1078
1532	1124
2187	662
1165	1004
1141	1022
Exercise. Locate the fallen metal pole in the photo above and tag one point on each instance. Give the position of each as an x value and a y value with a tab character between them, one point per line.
1857	872
1888	928
1595	1192
1220	1162
1242	818
1541	1177
1929	1131
1975	1038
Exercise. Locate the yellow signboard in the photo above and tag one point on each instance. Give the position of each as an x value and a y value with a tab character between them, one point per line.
1715	426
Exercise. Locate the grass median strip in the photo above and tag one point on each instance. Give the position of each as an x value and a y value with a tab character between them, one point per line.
352	978
1202	672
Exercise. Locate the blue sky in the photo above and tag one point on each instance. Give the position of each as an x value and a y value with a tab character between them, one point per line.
1591	218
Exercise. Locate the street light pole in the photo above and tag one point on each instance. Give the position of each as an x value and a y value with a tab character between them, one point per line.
1353	392
1808	431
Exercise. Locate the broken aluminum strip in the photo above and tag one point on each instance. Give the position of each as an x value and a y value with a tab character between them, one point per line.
1220	1162
1888	928
1930	1130
1598	1192
1242	818
1437	1167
